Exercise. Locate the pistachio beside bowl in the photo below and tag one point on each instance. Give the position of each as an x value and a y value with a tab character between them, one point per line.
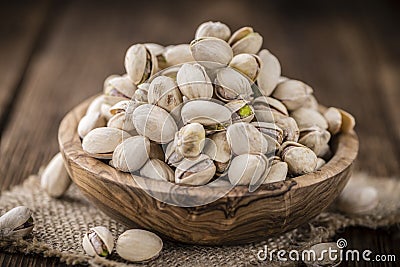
210	140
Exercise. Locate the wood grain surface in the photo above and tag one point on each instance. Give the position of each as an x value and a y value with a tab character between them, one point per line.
54	54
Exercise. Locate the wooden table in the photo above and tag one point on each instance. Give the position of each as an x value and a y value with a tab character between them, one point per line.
55	54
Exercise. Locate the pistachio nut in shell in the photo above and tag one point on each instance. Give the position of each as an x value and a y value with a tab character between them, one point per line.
290	129
292	93
55	179
357	198
247	169
178	54
122	121
211	49
315	138
306	118
320	163
269	73
103	140
171	157
278	172
300	159
89	122
245	40
195	171
213	29
16	223
141	93
244	138
248	64
98	242
231	84
95	105
193	81
218	149
268	109
164	92
131	154
140	63
334	119
157	170
155	123
348	121
120	86
138	245
241	110
189	140
272	133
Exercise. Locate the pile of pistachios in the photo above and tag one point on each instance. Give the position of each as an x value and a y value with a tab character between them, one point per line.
215	108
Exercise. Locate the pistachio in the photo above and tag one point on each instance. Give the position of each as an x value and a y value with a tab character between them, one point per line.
171	157
247	64
55	179
138	245
241	111
211	49
16	223
157	170
316	139
98	242
290	129
292	93
218	149
244	138
231	85
141	93
119	88
89	122
248	169
300	159
269	75
334	119
307	118
213	29
189	140
245	40
95	105
195	171
158	51
164	92
123	122
194	82
131	154
320	163
272	133
357	199
348	122
268	109
178	54
140	63
278	171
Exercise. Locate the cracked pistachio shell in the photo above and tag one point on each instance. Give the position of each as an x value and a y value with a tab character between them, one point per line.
98	242
141	93
140	63
300	159
55	179
213	29
357	199
231	84
245	40
194	82
178	54
189	140
164	92
241	110
207	113
268	109
248	169
16	223
120	86
290	129
244	138
248	64
195	171
131	154
270	72
95	105
217	147
334	119
348	122
155	49
123	122
171	157
292	93
157	170
315	138
89	122
272	133
277	173
105	111
307	118
138	245
155	123
322	257
100	142
124	106
211	49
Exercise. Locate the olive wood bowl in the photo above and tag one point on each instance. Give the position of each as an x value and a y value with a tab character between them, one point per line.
237	217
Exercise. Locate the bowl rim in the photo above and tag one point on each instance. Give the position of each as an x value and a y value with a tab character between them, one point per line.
345	150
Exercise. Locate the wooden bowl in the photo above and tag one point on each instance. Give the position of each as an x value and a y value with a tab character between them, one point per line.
237	217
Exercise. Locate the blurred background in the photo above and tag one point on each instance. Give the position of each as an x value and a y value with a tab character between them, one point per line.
55	54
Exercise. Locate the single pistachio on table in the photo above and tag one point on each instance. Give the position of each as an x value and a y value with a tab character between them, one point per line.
244	138
89	122
245	40
247	64
270	72
322	257
131	154
138	245
189	140
211	49
213	116
213	29
141	93
101	142
268	109
241	110
178	54
307	118
98	242
292	93
155	123
140	63
195	171
118	89
278	171
55	179
218	149
164	92
248	169
157	170
194	82
300	159
231	84
16	223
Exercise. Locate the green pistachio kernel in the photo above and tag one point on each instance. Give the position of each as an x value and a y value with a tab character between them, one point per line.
245	111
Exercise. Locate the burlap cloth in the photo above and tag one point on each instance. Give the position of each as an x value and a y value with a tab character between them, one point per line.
61	223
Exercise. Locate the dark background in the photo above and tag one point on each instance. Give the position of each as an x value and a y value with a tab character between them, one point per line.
54	54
